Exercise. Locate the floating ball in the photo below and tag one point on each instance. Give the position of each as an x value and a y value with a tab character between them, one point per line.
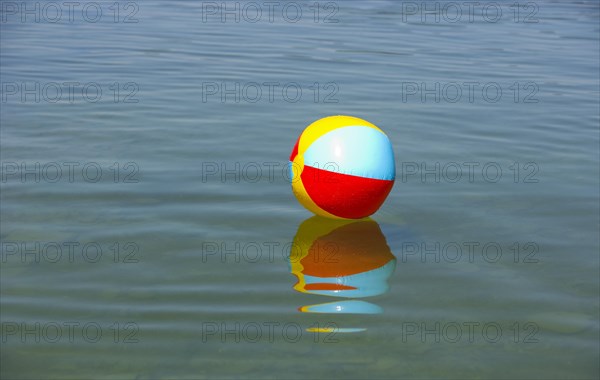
342	167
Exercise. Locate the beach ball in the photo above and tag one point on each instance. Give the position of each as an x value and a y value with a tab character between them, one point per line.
341	258
342	167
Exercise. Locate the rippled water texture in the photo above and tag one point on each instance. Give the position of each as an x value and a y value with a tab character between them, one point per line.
171	245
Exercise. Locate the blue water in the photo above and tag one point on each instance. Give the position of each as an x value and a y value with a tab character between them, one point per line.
166	194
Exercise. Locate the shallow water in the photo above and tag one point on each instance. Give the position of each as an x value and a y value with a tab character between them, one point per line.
175	223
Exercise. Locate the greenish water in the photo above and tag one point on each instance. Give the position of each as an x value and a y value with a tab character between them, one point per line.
168	256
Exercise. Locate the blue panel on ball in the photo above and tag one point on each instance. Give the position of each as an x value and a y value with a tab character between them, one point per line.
359	151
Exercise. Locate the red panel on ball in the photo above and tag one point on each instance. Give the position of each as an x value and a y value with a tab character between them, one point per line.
295	150
344	195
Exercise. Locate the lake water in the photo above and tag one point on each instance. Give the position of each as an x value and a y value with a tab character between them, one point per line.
147	220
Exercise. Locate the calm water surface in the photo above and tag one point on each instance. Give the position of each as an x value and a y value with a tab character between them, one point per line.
466	273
